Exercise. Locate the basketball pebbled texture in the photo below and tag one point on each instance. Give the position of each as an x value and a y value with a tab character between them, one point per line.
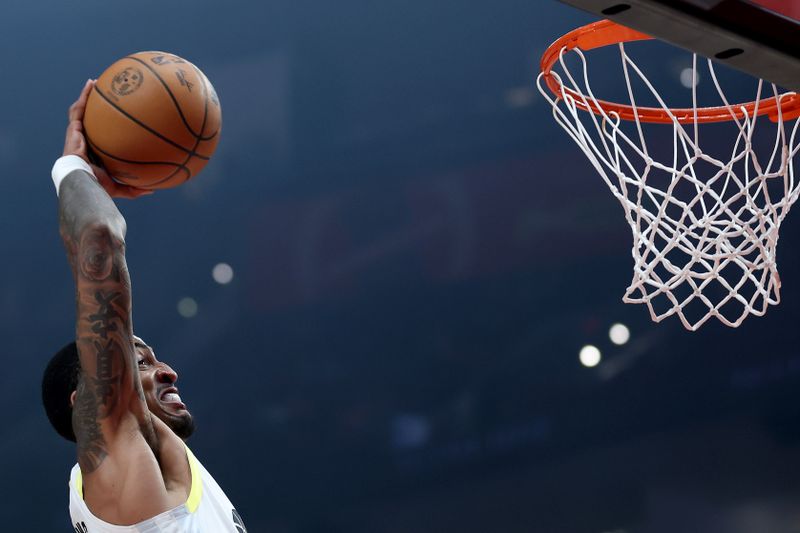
153	120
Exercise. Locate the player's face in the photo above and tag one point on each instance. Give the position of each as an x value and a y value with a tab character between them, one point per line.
160	392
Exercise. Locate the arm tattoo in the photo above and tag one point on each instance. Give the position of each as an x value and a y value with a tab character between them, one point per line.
103	320
106	382
93	232
98	394
106	320
91	444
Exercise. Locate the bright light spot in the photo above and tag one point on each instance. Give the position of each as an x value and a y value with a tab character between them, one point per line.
590	355
619	334
686	77
187	307
222	273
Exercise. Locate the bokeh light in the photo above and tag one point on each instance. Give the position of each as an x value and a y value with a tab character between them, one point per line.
187	307
222	273
688	77
619	334
590	356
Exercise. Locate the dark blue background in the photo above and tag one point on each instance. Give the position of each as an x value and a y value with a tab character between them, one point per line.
419	254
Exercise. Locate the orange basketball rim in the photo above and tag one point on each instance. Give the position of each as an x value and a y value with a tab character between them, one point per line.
606	33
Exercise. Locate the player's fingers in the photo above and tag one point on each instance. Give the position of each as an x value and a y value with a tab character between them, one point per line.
104	179
134	192
74	126
74	142
141	192
124	191
116	189
77	109
75	129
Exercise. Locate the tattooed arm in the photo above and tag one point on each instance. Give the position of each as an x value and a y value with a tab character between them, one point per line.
93	230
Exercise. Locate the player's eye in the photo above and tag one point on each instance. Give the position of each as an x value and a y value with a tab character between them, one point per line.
142	362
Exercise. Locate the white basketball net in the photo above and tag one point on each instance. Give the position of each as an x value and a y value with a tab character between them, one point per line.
705	231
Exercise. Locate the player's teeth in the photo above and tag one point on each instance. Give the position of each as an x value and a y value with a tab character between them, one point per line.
171	397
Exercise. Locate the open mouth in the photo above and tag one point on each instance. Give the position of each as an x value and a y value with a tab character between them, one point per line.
170	396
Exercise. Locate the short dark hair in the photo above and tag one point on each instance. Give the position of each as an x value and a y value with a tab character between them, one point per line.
59	381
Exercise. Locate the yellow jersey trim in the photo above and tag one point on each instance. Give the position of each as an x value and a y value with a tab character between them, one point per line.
79	483
195	493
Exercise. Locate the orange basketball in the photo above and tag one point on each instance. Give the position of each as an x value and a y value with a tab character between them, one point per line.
153	120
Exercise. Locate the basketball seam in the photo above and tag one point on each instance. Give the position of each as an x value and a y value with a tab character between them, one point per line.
180	166
148	128
129	161
197	139
175	101
205	83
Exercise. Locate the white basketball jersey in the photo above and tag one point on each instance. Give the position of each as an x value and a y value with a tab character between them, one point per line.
206	510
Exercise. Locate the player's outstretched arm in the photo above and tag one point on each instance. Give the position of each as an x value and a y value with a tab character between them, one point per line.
109	396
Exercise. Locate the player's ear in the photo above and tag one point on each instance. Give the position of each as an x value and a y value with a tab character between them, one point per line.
72	398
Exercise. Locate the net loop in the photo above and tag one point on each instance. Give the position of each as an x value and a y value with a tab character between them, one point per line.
705	228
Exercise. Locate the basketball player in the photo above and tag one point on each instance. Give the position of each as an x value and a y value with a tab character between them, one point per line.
107	392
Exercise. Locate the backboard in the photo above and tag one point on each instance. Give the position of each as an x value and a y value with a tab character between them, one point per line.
759	37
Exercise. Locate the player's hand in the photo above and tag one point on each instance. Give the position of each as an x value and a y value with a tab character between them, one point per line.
75	144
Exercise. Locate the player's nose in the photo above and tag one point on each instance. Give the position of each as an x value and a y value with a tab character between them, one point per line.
165	374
